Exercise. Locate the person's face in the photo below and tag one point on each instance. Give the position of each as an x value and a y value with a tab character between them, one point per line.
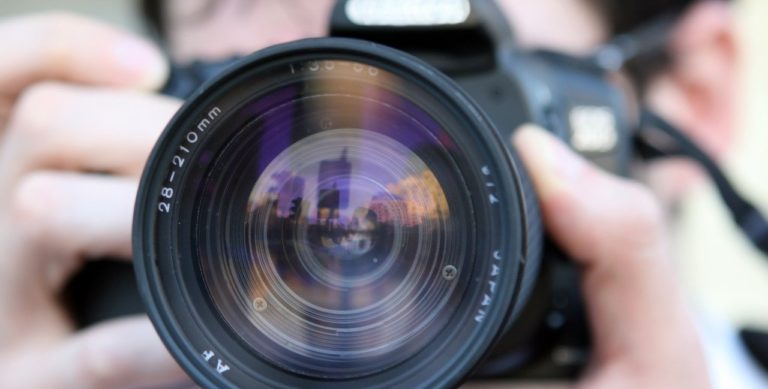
697	93
208	29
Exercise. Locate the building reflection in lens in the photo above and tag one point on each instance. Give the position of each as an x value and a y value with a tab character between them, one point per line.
347	238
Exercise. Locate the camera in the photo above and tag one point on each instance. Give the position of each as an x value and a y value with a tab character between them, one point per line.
336	211
349	211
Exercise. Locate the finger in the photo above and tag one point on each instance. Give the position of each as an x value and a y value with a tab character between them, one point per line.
614	229
60	126
71	48
125	353
67	217
567	185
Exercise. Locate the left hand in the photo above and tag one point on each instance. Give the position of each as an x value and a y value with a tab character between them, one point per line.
77	121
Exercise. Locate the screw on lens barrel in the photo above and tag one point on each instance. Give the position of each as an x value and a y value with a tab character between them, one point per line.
450	272
259	304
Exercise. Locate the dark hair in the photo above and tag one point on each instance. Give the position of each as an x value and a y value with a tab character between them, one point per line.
153	11
626	15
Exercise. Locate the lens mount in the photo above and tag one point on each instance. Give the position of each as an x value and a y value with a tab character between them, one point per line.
331	212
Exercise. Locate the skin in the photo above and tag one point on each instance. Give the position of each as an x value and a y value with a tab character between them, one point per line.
240	27
55	214
68	109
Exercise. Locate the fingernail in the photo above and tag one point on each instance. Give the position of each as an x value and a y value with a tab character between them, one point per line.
551	164
143	61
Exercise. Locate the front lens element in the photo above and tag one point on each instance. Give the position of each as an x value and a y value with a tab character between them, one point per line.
344	225
347	229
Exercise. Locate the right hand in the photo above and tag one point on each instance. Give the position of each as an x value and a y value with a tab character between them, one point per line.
644	336
77	121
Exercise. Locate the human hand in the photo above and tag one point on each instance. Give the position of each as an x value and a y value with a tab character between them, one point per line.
77	121
613	228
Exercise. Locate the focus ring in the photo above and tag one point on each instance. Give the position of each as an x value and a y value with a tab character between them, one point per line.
534	237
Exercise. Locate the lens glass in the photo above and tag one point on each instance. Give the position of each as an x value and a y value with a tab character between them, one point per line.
333	227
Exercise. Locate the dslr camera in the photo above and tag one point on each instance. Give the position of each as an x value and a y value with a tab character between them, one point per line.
349	212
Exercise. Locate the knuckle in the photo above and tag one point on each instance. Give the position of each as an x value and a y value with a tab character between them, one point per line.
97	366
53	32
34	199
646	212
55	26
640	232
34	111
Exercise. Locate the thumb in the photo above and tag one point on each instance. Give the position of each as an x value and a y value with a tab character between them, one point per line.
594	215
614	229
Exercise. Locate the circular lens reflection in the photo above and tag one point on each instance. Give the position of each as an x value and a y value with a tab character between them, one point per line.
324	231
344	228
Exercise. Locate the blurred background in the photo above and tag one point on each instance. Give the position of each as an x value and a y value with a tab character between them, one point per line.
719	267
724	276
124	13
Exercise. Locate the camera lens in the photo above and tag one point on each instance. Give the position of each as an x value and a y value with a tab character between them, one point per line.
331	212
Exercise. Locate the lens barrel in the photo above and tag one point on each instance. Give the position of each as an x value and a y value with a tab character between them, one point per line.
331	212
